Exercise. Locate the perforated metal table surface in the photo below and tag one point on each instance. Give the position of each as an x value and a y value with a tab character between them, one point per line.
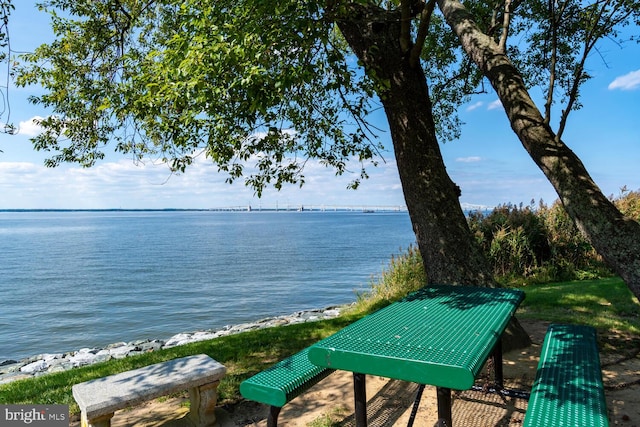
440	335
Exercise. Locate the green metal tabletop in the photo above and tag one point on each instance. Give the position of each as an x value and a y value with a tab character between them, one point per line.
440	335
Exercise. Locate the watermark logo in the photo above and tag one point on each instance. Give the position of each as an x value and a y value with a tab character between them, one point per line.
34	415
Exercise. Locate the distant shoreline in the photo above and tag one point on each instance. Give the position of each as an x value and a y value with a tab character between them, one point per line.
249	208
365	209
102	210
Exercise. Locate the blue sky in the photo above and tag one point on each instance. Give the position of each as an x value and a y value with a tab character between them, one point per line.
488	162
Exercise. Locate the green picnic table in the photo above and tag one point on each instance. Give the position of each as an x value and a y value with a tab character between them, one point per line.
439	335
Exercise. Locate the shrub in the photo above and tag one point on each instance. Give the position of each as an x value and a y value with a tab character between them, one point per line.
404	274
628	203
537	244
570	250
525	244
513	237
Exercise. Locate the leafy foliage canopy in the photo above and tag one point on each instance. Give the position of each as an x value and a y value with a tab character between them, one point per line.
240	82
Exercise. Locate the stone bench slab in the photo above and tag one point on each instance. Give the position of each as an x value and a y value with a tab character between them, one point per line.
103	396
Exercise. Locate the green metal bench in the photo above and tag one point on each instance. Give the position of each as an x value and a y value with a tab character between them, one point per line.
568	389
282	382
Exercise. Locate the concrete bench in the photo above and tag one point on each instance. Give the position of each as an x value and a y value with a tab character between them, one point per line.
568	389
282	382
98	399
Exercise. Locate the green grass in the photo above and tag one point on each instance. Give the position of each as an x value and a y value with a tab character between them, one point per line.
243	354
606	304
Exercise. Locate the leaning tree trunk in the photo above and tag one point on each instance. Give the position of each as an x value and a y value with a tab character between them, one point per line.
449	252
614	237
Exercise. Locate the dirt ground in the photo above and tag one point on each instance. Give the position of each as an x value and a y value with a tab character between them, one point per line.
390	401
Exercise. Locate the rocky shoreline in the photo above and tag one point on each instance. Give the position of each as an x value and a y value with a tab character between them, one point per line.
42	364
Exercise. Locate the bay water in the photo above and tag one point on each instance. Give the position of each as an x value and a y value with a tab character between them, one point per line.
70	280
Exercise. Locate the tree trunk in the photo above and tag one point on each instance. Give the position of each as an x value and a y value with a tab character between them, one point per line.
616	238
449	252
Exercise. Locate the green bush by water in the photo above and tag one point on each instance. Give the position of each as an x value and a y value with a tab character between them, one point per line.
541	244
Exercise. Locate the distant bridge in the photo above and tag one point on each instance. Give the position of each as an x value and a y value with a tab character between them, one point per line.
312	208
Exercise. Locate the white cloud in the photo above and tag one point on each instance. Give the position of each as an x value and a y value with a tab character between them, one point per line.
629	81
124	184
475	106
494	105
30	127
470	159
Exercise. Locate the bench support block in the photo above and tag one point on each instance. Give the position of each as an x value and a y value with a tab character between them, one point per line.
203	404
103	421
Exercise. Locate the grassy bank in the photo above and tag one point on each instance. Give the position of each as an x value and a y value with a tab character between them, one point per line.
242	354
605	304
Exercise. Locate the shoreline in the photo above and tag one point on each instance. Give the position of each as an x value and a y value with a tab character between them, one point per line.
46	363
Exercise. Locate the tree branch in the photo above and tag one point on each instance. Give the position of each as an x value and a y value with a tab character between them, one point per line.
405	26
589	43
506	21
123	10
423	30
495	16
553	23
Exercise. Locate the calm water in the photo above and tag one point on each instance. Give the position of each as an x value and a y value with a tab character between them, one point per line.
81	279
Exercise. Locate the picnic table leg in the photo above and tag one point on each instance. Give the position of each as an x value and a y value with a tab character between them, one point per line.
497	365
444	406
416	404
272	419
360	393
